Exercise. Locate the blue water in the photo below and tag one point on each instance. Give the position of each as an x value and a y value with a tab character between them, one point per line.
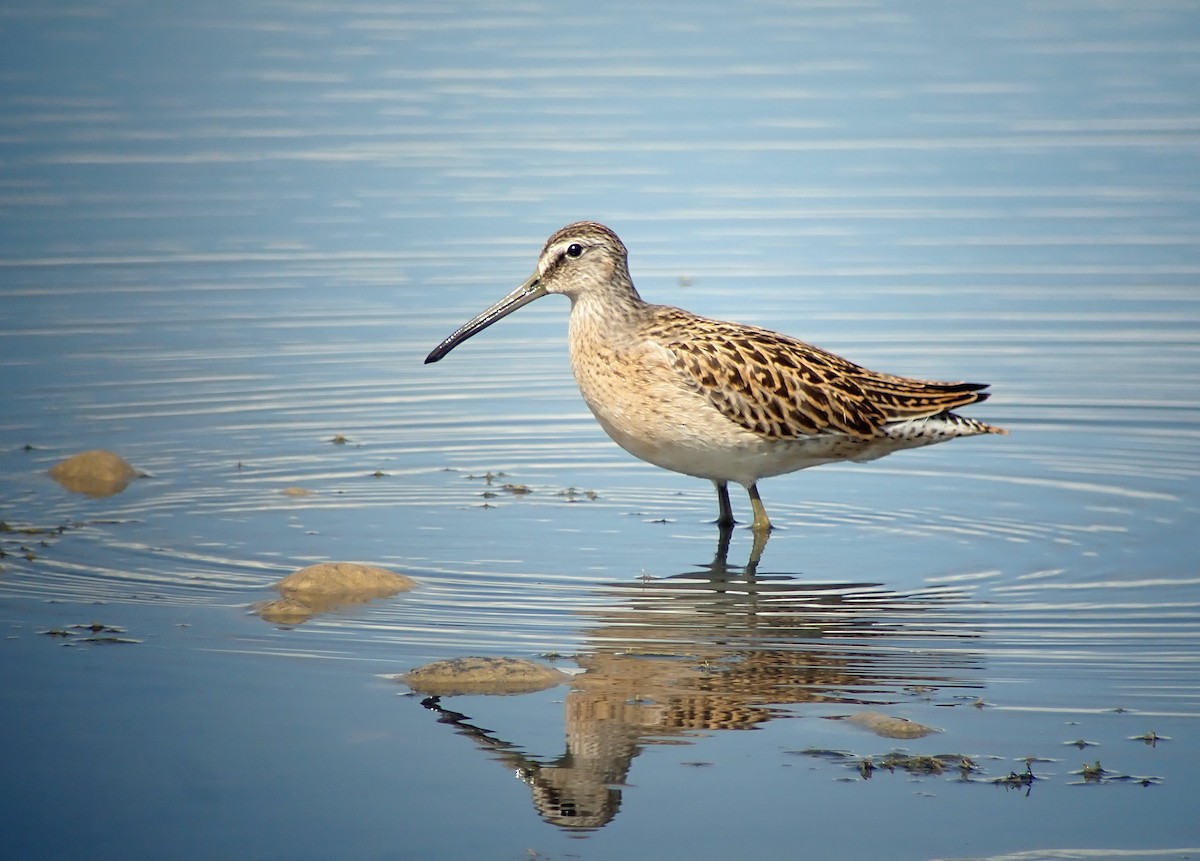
230	233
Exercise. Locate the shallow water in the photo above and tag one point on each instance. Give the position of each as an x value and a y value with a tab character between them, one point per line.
228	236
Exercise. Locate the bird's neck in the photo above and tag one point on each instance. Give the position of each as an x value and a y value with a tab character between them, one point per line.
603	320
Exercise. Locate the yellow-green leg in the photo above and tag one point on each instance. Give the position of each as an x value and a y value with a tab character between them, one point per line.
761	523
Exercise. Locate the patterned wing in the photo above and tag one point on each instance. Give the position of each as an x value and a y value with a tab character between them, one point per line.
782	388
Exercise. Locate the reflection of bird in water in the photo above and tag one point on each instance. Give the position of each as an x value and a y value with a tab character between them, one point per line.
720	400
717	649
580	790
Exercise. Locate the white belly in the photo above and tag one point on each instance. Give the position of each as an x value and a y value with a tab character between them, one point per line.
645	410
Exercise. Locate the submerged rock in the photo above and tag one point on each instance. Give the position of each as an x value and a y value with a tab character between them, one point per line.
890	727
94	473
285	611
344	578
327	586
483	676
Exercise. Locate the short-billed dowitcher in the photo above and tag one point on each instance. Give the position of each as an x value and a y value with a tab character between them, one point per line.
718	400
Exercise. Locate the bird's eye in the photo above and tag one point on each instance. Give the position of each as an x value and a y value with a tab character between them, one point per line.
574	249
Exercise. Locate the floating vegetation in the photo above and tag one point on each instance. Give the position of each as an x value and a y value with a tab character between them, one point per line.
1095	773
508	487
920	765
108	640
91	632
100	628
15	540
572	494
1023	780
1150	738
824	753
32	530
943	763
964	768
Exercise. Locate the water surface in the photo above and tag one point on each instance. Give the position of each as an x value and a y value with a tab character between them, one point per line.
230	235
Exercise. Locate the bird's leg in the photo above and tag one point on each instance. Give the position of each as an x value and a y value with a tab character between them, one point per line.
761	523
725	518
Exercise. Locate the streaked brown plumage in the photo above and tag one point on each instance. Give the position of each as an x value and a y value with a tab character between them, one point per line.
720	400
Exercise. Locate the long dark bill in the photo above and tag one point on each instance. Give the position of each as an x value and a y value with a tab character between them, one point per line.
523	295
